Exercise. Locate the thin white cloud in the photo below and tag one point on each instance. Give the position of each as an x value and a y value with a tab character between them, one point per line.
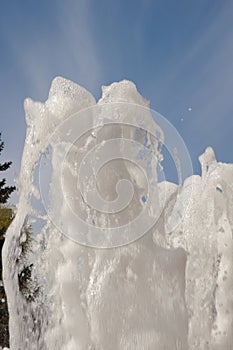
78	39
69	50
205	74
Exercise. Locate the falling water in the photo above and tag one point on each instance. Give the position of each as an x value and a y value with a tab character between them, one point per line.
103	256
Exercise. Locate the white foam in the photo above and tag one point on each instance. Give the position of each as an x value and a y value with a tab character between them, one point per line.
167	290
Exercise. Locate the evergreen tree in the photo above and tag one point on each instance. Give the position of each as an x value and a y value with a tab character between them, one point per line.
6	212
5	191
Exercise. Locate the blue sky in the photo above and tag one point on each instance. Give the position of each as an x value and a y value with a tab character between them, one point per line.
179	54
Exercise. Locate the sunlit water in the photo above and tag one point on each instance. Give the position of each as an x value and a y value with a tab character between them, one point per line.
68	287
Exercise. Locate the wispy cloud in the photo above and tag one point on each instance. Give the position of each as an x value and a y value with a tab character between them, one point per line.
67	49
78	40
70	50
203	78
97	43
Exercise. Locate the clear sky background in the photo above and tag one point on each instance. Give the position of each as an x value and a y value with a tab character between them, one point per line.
178	52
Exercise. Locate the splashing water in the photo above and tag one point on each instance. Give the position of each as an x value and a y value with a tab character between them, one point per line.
102	256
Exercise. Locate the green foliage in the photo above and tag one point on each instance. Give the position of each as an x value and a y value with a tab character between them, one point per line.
6	213
25	238
6	217
28	285
5	191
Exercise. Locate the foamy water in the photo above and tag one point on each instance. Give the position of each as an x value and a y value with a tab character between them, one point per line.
143	265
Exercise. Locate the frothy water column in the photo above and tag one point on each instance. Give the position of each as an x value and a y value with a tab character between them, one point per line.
103	256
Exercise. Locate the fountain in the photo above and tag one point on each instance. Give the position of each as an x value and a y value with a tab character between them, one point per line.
102	254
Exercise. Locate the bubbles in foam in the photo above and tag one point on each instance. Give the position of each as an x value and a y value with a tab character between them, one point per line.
165	281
